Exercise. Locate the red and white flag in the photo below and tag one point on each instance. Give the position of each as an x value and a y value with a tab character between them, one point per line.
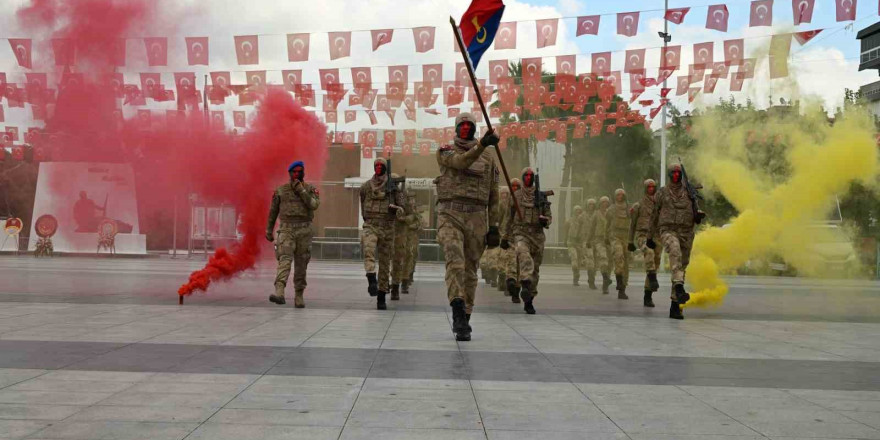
628	24
350	116
432	74
151	84
329	78
676	15
682	84
531	70
803	37
692	93
546	31
185	82
670	57
462	77
588	25
399	75
736	81
748	68
635	61
734	51
157	51
802	10
256	79
220	79
717	18
506	36
846	10
497	69
565	65
381	37
601	64
362	77
197	51
340	44
247	49
709	85
21	47
239	119
298	47
64	50
761	13
292	78
704	53
423	38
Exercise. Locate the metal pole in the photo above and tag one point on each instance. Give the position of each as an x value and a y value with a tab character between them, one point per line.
663	110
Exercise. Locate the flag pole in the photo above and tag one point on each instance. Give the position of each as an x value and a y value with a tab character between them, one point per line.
479	94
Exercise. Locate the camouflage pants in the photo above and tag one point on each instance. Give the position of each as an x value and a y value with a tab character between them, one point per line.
462	236
620	256
529	255
652	256
589	258
600	255
508	264
292	245
577	256
399	267
678	247
412	253
377	240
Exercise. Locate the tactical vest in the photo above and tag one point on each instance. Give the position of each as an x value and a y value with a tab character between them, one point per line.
675	213
599	225
619	220
530	212
645	209
471	185
376	201
292	208
574	228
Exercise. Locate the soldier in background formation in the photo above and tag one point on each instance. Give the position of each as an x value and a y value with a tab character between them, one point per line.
400	268
589	250
573	241
467	215
294	203
598	240
618	223
638	238
379	209
413	230
509	263
526	233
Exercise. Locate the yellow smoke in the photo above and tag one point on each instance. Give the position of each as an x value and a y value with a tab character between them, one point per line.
821	160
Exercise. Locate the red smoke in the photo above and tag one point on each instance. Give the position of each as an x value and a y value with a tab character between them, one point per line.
170	160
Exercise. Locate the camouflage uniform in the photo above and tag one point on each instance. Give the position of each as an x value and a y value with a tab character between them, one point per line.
526	235
618	218
414	227
467	205
589	251
507	261
575	244
377	237
399	267
294	203
638	238
598	239
673	220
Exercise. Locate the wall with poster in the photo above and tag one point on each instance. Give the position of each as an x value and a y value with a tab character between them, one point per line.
80	195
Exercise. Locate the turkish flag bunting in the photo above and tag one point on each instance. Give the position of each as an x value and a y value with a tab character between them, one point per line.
157	51
292	78
654	111
239	119
380	37
256	80
682	83
185	83
748	68
432	74
350	116
588	25
704	53
64	50
720	70
150	84
846	10
802	10
676	15
505	38
217	120
664	73
696	73
546	31
197	51
424	38
298	47
736	81
497	69
601	63
709	85
398	74
531	70
329	77
462	77
372	115
761	13
424	148
635	60
803	37
368	138
717	18
636	82
628	24
734	51
692	93
670	57
780	46
340	44
247	49
566	65
366	152
452	93
21	47
665	91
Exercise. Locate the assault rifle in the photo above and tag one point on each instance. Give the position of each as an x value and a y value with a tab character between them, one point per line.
541	201
692	194
391	185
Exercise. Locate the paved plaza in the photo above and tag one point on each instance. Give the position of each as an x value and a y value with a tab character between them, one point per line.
100	349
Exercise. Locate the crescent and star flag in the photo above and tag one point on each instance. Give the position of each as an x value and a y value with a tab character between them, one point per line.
478	27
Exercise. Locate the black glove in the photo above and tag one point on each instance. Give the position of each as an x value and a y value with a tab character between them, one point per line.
490	138
699	217
269	236
650	243
505	244
544	221
493	237
631	247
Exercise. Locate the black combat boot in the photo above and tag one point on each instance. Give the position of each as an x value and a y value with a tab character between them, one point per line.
277	299
513	290
653	284
648	301
395	292
621	288
576	277
467	320
404	287
675	311
526	293
591	277
459	320
380	301
501	282
681	296
606	281
373	284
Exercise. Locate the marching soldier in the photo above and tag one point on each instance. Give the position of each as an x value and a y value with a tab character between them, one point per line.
574	225
467	215
598	239
400	267
638	237
414	227
508	260
618	234
589	251
379	210
294	203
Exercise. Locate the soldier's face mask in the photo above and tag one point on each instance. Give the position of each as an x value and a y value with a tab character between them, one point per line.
466	130
676	176
651	190
298	173
379	169
528	179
